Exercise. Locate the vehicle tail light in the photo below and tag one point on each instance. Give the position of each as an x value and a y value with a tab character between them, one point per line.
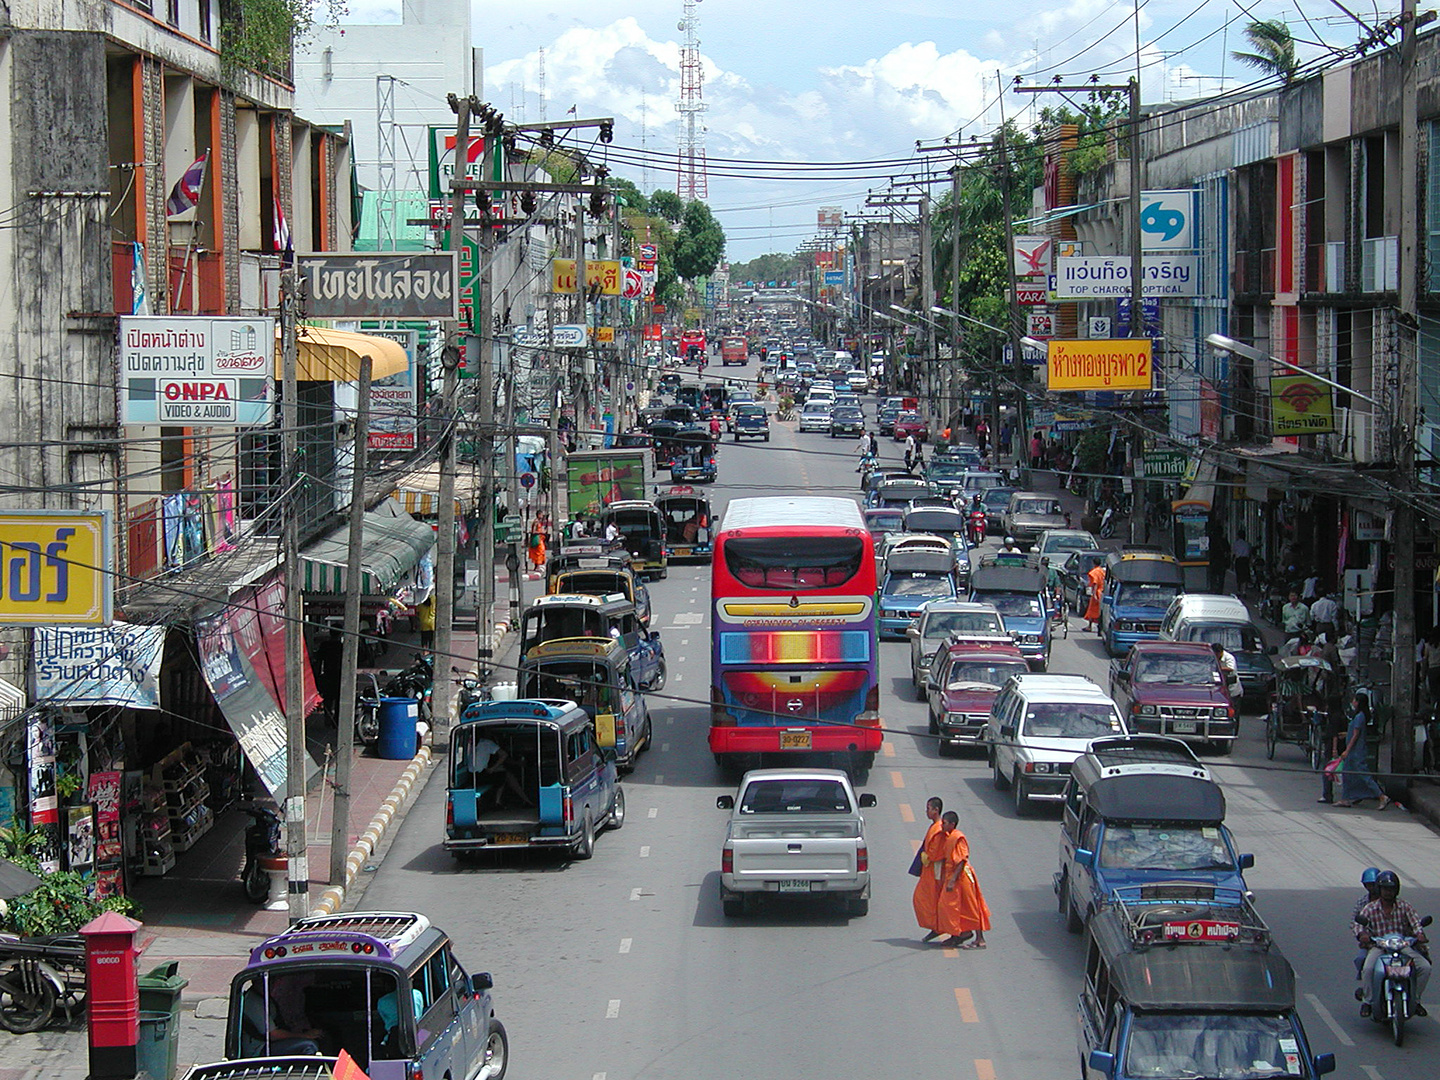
727	860
450	813
414	1071
719	715
568	809
862	860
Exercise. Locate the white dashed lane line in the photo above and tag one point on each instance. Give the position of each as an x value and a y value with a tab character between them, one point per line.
612	1010
645	852
654	811
624	945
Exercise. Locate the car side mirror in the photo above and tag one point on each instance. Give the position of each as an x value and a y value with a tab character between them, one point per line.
867	800
1103	1062
480	982
1246	861
1085	857
725	802
912	631
1324	1064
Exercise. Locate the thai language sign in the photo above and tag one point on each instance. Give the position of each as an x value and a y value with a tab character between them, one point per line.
381	286
193	372
56	568
394	403
1090	277
1300	405
106	665
1099	364
604	273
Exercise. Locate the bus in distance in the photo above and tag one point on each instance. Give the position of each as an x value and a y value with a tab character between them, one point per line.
793	660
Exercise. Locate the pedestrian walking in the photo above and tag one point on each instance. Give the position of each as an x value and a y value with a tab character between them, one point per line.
931	860
1356	781
1037	451
1097	586
1219	562
911	452
961	910
1005	439
1294	615
1325	615
1241	552
982	436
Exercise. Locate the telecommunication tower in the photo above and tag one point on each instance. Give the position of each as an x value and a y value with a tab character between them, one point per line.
690	177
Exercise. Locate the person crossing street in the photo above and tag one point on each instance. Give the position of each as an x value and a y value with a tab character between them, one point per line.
931	857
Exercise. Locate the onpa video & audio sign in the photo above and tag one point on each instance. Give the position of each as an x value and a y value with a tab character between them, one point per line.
197	372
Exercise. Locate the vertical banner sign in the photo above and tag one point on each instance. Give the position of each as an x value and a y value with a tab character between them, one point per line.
80	839
193	372
56	568
104	793
44	806
393	399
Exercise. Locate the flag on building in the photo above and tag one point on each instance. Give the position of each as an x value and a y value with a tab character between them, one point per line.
284	242
185	195
570	111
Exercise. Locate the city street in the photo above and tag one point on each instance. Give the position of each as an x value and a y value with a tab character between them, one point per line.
624	967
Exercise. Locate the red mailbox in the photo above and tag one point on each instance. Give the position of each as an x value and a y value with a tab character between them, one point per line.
114	994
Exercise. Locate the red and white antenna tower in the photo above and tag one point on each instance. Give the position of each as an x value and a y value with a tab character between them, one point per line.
690	177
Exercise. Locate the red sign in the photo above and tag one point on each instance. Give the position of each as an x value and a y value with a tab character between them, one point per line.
658	309
1029	296
633	286
649	252
651	332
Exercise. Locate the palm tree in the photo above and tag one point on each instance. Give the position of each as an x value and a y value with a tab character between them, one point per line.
1274	49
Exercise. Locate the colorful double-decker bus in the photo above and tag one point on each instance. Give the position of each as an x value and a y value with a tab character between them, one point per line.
793	663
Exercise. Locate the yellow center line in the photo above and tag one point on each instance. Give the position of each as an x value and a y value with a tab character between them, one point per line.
887	749
914	846
950	954
967	1005
984	1069
906	814
896	779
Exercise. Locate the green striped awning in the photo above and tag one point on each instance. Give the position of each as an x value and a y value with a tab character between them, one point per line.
392	547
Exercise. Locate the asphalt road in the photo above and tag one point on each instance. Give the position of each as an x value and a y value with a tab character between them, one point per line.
623	968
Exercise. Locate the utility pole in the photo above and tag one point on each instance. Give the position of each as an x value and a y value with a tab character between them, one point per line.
297	857
515	557
927	298
1403	518
484	340
350	646
1012	320
954	305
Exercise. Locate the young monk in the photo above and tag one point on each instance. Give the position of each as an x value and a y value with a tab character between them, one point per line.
961	911
932	865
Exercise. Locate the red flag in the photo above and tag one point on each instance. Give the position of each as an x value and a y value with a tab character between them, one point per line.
346	1068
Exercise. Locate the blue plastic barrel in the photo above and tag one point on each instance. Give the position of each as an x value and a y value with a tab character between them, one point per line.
398	717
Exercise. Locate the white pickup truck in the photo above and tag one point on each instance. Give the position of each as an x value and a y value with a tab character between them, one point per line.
794	831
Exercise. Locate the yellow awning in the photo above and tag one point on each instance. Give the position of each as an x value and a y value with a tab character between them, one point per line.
327	355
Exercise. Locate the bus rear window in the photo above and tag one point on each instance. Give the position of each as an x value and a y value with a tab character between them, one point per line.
794	563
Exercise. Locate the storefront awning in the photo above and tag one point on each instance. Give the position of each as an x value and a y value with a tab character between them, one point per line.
393	546
326	355
418	491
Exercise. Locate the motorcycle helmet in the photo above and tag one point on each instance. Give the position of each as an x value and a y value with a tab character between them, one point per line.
1369	874
1009	541
1388	879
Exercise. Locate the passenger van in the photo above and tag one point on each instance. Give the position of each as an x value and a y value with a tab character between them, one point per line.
1142	811
383	986
554	788
1189	988
643	534
598	574
573	615
1212	618
596	673
1140	585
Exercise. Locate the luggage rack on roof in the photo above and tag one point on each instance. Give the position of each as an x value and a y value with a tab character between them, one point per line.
1118	751
309	1067
1186	913
396	929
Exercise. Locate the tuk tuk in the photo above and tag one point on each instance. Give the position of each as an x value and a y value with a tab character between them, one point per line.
573	615
664	437
1299	706
600	576
694	459
687	517
642	534
596	674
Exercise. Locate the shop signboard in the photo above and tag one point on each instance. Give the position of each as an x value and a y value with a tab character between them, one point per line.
1098	277
442	159
1032	255
569	336
56	568
1166	464
394	404
1167	220
649	252
197	372
1030	295
381	285
104	665
1300	405
604	273
1106	364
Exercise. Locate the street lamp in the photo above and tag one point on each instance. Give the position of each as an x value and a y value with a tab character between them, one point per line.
1239	348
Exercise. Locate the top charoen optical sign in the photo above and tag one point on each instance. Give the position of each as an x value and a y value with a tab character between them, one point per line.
1100	364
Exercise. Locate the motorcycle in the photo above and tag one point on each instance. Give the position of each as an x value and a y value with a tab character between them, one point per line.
975	525
1393	974
417	681
367	712
262	840
36	975
472	692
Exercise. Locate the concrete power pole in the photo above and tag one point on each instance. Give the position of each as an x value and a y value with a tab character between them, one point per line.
1137	317
927	300
296	854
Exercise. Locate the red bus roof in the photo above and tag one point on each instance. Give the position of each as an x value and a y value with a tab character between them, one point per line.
801	511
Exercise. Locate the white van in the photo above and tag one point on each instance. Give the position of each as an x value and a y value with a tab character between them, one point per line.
1214	618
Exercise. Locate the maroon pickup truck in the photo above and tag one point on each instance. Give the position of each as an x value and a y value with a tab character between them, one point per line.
1175	688
961	685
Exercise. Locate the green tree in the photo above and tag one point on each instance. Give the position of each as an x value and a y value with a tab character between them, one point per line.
259	35
775	266
699	242
627	192
668	205
1274	49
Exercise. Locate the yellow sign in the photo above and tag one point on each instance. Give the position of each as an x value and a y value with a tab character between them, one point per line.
604	335
1299	405
55	568
1100	364
604	273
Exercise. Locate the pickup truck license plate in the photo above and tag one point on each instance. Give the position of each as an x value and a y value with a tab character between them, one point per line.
680	551
1183	727
794	885
510	838
794	740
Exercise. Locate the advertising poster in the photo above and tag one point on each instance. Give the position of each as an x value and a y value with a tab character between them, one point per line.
196	371
394	403
80	838
1300	405
104	793
107	665
44	806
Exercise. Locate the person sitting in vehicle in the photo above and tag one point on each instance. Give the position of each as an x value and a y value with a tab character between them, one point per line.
483	762
387	1008
263	1032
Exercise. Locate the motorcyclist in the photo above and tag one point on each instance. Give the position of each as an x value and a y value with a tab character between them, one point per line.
1372	892
1010	547
1388	914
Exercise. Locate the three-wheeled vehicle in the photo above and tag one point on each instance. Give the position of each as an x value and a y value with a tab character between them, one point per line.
1299	706
597	674
694	459
642	534
573	615
687	517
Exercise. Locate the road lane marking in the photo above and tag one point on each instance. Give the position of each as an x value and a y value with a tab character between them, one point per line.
654	810
635	893
680	660
888	749
906	814
659	778
1328	1017
664	746
1372	1072
598	1076
625	944
897	779
679	678
984	1069
914	846
612	1010
967	1005
669	720
645	851
694	588
684	641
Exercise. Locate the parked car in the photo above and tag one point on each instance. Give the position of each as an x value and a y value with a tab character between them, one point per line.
847	420
1212	618
911	423
1175	688
941	620
794	832
960	686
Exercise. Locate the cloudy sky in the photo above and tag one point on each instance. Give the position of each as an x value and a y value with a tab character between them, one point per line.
845	81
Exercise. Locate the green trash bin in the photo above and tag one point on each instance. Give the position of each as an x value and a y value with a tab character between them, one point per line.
157	1053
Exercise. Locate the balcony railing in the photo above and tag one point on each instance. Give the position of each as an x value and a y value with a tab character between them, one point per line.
1380	264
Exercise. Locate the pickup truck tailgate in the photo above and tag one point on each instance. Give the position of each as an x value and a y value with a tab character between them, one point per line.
794	849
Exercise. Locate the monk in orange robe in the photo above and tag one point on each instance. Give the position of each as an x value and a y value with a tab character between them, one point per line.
1097	586
961	911
932	865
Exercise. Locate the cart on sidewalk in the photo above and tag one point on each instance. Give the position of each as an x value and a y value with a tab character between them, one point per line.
1299	706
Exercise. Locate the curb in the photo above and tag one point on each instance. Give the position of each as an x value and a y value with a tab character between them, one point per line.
331	899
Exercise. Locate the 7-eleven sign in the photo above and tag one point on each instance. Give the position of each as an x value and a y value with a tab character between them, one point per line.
442	159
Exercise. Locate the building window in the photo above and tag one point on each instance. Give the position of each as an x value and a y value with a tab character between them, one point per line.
1432	209
204	6
172	12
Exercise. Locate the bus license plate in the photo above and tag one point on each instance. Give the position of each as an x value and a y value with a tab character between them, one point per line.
510	838
793	885
1183	727
794	740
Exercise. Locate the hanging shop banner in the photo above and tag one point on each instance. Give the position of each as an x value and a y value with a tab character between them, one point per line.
605	273
1092	277
197	372
393	400
375	285
1299	405
56	568
1110	364
107	665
